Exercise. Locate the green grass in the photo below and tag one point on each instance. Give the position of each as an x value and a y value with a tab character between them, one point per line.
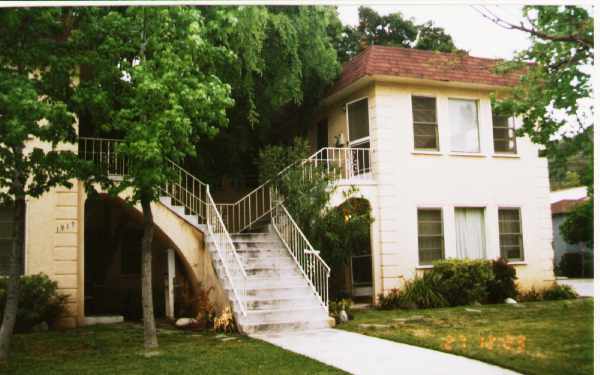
117	349
534	338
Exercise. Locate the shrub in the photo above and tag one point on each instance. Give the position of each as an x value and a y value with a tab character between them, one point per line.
531	295
576	265
421	292
558	292
502	286
554	293
395	299
39	301
461	281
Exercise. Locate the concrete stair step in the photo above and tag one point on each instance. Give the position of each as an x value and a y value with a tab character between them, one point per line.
271	303
276	315
269	261
285	325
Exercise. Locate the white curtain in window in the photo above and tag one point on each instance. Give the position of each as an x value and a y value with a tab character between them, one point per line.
470	233
463	121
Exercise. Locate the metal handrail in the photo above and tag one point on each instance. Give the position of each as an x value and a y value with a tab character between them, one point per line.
348	163
232	264
311	265
186	190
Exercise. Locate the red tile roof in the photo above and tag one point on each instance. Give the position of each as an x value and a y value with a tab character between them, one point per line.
566	205
419	64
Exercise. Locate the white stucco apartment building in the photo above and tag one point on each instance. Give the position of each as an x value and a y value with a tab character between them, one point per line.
446	177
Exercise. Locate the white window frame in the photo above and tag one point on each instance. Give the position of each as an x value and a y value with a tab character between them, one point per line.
359	141
477	117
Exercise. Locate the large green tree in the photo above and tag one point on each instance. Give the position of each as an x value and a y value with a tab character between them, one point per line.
149	76
32	125
554	96
285	60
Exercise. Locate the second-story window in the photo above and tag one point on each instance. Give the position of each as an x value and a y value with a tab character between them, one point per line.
464	125
505	140
358	122
425	128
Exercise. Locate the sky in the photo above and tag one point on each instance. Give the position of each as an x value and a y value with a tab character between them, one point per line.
469	29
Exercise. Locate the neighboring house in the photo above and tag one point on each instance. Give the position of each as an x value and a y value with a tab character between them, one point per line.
564	201
412	130
445	176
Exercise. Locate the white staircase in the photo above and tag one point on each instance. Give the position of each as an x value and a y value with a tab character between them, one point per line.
275	281
278	297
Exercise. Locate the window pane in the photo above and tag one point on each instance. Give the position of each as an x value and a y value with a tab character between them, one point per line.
504	134
358	118
429	228
511	238
362	273
424	123
431	236
470	233
465	128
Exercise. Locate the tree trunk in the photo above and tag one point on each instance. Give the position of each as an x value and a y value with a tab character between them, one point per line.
150	339
12	289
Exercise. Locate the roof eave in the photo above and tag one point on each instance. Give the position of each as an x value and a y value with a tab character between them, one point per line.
365	79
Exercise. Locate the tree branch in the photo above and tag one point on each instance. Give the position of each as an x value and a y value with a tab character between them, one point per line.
575	38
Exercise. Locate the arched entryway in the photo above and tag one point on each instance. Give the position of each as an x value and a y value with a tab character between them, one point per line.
112	263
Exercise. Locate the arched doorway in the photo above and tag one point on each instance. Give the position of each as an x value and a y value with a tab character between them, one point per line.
112	263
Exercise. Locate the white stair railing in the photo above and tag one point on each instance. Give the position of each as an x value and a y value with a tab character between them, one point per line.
185	190
311	265
353	164
232	265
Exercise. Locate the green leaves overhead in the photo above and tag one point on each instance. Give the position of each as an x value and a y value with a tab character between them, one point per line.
168	94
390	30
28	39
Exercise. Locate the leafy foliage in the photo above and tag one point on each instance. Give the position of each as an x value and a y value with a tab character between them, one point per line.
391	30
552	293
554	90
285	59
559	292
27	112
461	281
502	286
39	301
576	264
338	232
579	225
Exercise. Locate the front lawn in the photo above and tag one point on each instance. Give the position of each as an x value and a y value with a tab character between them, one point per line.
533	338
117	349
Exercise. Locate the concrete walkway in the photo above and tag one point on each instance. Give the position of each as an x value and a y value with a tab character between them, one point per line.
583	287
360	354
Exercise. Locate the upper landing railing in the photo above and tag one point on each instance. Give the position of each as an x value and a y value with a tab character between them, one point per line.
341	164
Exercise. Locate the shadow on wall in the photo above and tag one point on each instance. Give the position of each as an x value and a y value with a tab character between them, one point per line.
112	270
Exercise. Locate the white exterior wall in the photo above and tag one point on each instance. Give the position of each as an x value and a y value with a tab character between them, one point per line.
407	179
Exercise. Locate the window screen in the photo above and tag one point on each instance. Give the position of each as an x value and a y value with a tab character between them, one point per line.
504	134
425	127
431	235
511	237
358	119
